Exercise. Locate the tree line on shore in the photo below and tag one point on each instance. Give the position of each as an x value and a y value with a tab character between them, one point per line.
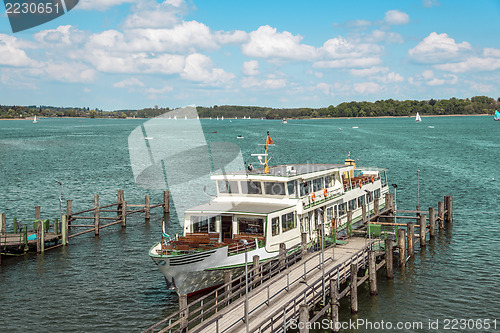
387	108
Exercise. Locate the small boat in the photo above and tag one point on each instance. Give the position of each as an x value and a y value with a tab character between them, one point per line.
417	118
355	127
35	121
147	138
496	116
284	121
239	137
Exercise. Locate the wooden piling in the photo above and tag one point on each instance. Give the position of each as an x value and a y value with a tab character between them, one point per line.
354	288
441	214
410	235
228	276
68	208
147	208
334	304
166	202
120	197
64	230
389	264
349	223
40	244
448	207
124	214
96	214
3	226
363	213
282	254
372	272
423	230
303	318
432	224
376	206
303	238
37	212
183	303
418	210
255	265
402	247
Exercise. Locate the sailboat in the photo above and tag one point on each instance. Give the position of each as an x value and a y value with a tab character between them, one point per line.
35	121
417	118
497	115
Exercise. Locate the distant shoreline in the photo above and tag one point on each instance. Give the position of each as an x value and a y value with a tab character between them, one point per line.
424	116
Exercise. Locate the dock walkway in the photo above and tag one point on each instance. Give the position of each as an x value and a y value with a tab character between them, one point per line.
283	293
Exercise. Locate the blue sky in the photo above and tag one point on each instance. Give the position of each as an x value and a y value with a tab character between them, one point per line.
120	54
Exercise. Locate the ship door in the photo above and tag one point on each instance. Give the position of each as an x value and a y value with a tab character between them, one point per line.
226	227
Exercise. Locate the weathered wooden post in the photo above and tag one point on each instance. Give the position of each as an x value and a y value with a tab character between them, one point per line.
389	262
432	223
228	276
410	235
441	214
376	206
349	223
64	230
183	302
303	239
402	247
372	271
120	197
255	266
96	214
15	225
334	304
40	237
147	208
448	207
303	318
354	288
3	226
166	202
124	214
282	254
423	230
68	210
418	210
37	212
363	213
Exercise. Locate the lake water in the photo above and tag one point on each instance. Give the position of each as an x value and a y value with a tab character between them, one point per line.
109	284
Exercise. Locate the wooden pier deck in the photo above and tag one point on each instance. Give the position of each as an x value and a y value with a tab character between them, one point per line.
283	289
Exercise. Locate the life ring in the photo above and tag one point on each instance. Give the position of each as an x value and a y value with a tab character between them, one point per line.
313	197
360	183
373	179
325	192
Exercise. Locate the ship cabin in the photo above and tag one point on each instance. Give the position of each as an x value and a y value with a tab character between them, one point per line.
269	208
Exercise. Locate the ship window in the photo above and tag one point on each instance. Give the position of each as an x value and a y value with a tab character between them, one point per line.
251	187
288	221
203	223
291	187
251	225
305	188
275	226
377	193
227	186
329	181
361	200
329	214
274	188
317	184
342	209
352	204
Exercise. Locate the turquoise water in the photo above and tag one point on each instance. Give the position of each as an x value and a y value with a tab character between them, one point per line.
109	284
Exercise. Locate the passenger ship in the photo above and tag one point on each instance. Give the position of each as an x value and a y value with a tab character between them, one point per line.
264	206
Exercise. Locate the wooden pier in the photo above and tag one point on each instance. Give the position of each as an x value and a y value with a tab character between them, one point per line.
57	232
299	286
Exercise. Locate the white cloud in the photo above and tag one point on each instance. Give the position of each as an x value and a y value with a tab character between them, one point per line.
391	78
269	83
11	54
490	52
366	88
100	4
130	82
64	35
200	68
160	90
430	3
385	36
428	78
267	42
471	64
325	88
251	67
349	63
368	71
339	47
438	48
66	72
396	17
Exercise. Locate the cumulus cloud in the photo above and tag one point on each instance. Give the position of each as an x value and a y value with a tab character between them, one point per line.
339	47
11	53
366	88
130	82
438	48
251	67
200	68
428	78
368	71
267	42
396	17
348	63
100	5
